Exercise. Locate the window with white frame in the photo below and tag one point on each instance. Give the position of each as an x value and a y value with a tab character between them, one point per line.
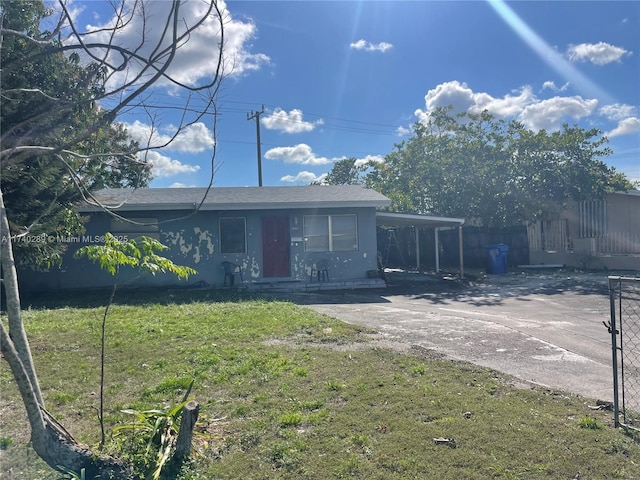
233	235
330	233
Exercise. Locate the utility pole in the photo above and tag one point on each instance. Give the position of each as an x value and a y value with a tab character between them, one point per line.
251	116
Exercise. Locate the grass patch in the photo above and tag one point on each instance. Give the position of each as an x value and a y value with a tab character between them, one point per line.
589	422
292	419
285	393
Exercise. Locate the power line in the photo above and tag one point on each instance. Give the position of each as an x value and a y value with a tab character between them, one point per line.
344	128
222	109
343	119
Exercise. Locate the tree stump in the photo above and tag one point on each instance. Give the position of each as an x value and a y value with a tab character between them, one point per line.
188	421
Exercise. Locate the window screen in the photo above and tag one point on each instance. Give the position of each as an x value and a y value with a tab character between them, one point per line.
330	233
316	233
233	235
344	233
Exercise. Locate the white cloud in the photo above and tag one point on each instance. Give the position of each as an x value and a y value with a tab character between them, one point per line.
196	61
463	99
369	158
521	104
74	10
618	111
402	131
301	154
599	53
454	93
144	134
193	139
163	166
371	47
304	176
180	185
291	122
625	127
549	85
625	115
507	106
550	114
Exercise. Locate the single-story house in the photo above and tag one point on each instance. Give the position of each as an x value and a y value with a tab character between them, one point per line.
268	238
599	234
313	236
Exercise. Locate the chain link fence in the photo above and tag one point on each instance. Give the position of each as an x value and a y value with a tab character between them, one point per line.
624	326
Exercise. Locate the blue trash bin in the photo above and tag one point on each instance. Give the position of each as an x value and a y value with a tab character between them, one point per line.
497	258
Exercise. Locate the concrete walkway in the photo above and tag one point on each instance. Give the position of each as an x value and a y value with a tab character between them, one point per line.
544	328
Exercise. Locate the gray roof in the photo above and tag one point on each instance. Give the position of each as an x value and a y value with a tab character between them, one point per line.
237	198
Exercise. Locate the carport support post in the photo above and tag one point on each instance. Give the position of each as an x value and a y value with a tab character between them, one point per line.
437	243
417	249
461	252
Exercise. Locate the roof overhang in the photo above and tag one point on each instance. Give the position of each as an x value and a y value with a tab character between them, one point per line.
389	219
86	208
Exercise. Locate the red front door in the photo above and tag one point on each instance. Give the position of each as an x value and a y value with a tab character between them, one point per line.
275	246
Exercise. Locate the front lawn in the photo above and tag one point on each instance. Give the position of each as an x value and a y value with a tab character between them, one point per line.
289	393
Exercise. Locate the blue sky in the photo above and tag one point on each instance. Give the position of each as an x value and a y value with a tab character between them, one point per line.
348	79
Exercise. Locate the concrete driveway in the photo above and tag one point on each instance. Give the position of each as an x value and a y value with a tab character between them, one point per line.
544	328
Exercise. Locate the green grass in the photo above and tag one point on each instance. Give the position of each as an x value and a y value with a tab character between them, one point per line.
282	396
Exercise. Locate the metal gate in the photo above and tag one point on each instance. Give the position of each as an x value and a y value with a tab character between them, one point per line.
624	296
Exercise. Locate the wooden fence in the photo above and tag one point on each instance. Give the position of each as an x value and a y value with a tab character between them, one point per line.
549	236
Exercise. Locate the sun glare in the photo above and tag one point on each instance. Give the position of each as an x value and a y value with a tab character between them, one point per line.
548	54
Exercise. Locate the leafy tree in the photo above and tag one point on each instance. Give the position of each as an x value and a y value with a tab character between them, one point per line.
497	172
344	172
138	254
60	100
47	100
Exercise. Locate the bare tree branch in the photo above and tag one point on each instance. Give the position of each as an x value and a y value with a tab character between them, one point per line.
121	78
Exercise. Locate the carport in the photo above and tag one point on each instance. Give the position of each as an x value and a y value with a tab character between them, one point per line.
388	219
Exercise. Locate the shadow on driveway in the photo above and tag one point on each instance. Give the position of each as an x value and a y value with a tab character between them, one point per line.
544	327
477	288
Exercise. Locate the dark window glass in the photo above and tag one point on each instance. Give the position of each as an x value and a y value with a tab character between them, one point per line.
233	235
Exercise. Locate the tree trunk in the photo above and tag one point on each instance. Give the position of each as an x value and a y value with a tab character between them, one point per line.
58	447
50	440
12	295
188	421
